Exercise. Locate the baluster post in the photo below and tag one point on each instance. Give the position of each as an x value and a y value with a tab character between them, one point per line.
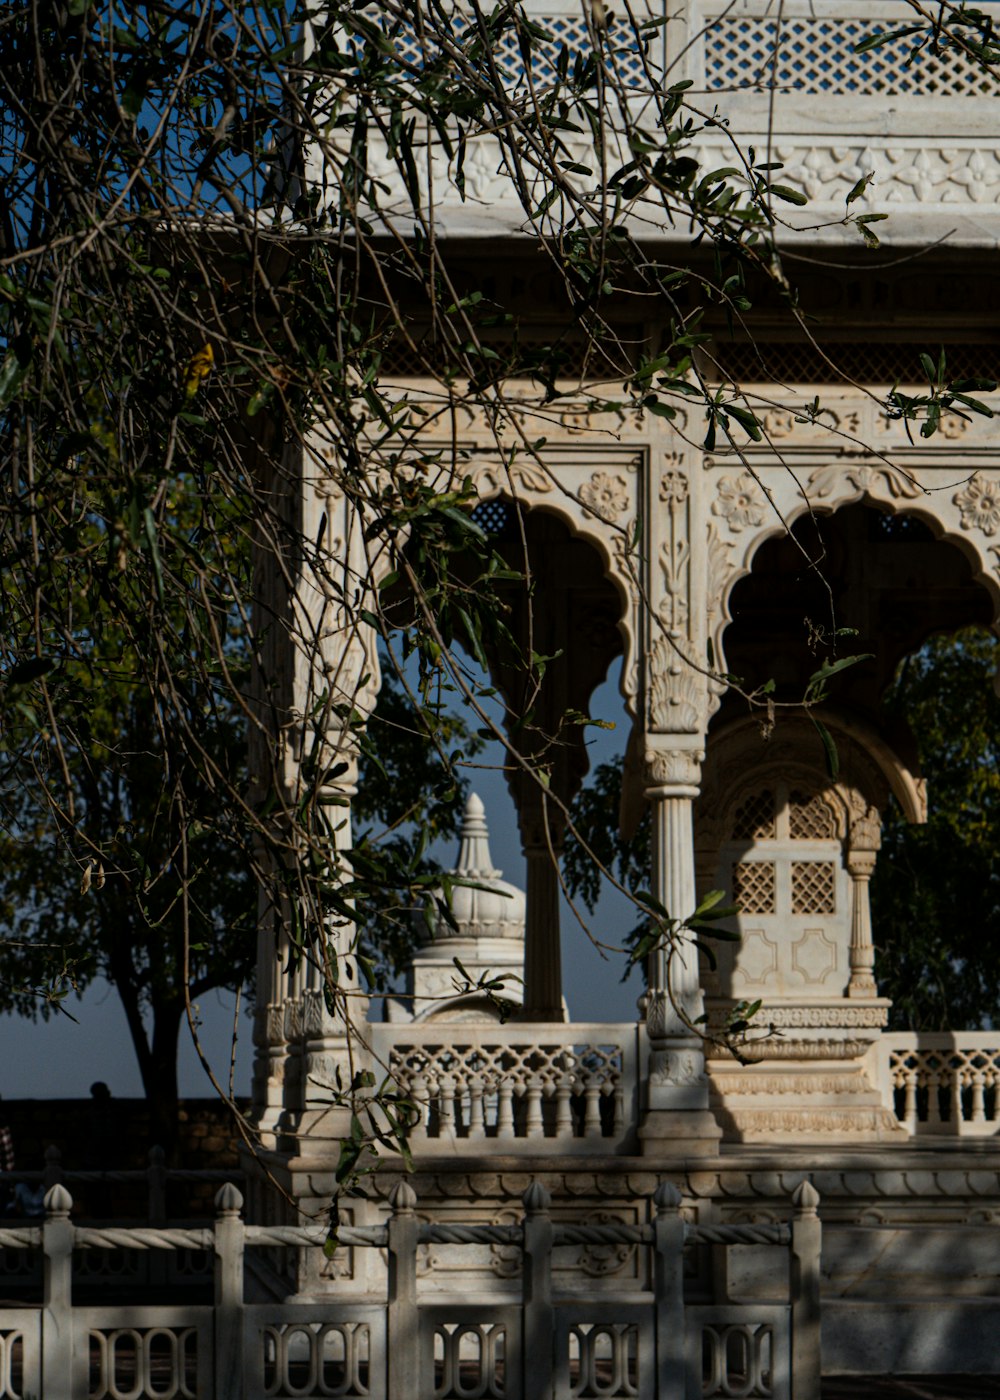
229	1245
402	1319
538	1325
61	1378
534	1126
804	1290
477	1120
668	1285
592	1108
956	1098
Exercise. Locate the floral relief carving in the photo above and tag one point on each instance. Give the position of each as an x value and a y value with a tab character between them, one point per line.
863	476
828	1121
505	1259
979	504
778	423
673	487
906	174
740	502
675	554
607	495
952	426
601	1260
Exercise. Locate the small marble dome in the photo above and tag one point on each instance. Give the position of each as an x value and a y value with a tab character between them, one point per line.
496	910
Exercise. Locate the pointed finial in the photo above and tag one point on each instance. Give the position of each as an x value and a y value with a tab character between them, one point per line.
474	858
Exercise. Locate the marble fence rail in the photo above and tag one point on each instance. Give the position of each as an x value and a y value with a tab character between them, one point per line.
944	1084
520	1084
402	1346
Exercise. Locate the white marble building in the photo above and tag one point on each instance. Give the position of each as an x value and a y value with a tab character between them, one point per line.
896	1132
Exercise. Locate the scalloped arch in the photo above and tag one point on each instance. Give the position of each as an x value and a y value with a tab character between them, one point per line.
585	524
882	489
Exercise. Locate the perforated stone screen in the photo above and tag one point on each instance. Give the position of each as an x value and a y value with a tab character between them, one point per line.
755	819
753	886
867	362
564	50
813	887
809	819
816	54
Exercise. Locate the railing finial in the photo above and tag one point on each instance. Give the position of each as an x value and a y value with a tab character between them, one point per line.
402	1198
228	1200
667	1197
805	1198
536	1200
57	1201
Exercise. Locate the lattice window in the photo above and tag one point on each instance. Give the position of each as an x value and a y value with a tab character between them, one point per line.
810	819
494	517
753	886
867	362
755	819
530	358
568	34
813	887
817	55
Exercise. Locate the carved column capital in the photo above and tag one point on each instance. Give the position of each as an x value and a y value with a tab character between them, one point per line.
673	772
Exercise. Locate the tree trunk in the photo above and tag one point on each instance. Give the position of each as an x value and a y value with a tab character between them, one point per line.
160	1082
156	1054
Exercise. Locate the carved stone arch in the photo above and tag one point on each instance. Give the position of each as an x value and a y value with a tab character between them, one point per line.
791	773
603	527
864	753
948	514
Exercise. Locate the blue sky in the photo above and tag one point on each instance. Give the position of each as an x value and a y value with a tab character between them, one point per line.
62	1058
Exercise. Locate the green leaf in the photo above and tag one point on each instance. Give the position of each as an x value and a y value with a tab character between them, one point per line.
859	189
12	374
789	195
883	37
746	420
24	672
650	901
829	748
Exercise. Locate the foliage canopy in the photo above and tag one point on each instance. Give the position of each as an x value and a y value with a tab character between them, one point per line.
215	224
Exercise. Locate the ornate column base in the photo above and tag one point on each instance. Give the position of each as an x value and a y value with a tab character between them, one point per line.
679	1132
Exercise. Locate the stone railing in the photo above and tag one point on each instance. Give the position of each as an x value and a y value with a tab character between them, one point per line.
400	1347
526	1087
785	79
945	1084
916	126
